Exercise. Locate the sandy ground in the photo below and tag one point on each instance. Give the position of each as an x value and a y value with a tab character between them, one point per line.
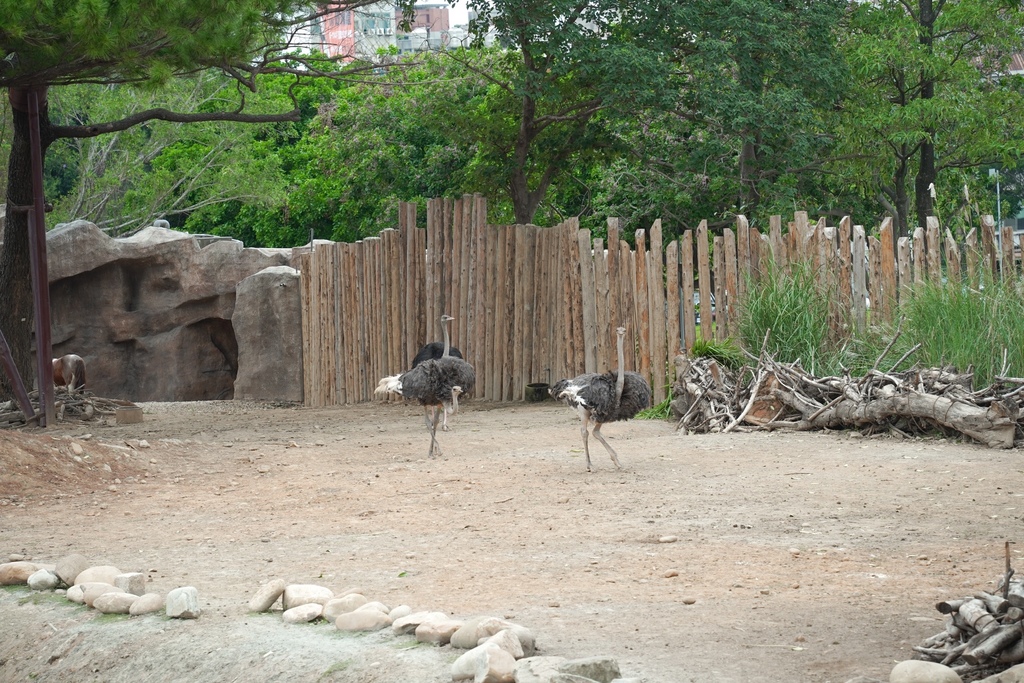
807	557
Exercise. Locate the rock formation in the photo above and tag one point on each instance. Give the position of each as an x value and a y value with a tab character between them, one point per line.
151	314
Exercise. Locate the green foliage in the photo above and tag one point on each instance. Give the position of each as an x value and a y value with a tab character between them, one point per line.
726	352
790	304
662	411
969	326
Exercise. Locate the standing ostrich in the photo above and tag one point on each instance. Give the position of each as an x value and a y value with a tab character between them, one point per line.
435	350
436	383
604	398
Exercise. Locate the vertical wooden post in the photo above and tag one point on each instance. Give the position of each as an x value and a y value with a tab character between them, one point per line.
602	333
589	294
673	342
707	328
731	303
686	269
905	267
859	278
934	250
988	244
721	316
887	261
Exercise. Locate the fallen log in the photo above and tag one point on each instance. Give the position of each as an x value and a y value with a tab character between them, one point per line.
992	643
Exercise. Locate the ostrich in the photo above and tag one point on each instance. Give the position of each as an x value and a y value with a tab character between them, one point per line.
604	398
435	383
435	350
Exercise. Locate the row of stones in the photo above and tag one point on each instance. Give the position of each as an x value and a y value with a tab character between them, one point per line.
102	587
498	651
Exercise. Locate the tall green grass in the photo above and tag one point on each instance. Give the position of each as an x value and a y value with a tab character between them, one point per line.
968	325
796	310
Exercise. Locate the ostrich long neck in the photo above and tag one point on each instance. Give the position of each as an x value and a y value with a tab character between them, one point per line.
447	343
621	380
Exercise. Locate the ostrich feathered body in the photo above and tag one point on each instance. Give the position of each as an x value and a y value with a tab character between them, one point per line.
432	382
596	393
433	351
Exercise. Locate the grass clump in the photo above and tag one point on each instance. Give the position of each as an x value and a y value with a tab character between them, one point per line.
968	325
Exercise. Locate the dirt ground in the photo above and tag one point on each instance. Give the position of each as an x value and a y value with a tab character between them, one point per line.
806	557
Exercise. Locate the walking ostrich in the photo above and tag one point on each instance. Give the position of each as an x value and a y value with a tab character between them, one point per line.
435	383
604	398
435	350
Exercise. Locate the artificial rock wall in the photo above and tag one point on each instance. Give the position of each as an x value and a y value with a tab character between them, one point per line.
155	315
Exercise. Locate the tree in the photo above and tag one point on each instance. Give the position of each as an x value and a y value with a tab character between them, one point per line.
52	45
567	61
931	94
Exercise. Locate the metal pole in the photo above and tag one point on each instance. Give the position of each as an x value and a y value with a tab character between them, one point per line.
40	275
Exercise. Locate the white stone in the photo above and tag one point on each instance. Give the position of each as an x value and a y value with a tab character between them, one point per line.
507	641
411	622
134	582
437	631
14	573
379	606
304	593
478	629
43	580
918	671
115	603
487	663
365	620
70	566
399	612
1015	674
303	613
267	595
183	603
537	669
76	594
95	589
100	574
147	604
347	603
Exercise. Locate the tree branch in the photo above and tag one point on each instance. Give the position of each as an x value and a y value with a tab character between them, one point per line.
167	115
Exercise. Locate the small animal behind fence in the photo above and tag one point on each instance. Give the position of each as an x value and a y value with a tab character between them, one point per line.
69	371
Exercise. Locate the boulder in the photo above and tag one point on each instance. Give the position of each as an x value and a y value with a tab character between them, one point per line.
70	566
918	671
183	603
14	573
267	595
268	326
151	314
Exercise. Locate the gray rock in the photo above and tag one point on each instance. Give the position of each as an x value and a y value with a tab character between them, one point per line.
918	671
375	605
268	326
134	583
304	593
537	669
600	669
103	573
70	566
267	595
15	573
183	603
362	620
347	603
147	604
508	642
114	603
43	580
1015	674
303	613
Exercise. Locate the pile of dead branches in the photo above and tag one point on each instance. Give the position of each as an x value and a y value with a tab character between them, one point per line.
69	406
774	395
983	631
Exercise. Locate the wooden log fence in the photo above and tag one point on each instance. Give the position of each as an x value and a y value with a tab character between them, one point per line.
534	304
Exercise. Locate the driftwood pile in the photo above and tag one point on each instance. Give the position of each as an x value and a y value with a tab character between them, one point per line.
983	631
69	406
709	398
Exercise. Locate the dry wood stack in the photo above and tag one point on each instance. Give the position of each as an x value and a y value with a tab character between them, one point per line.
982	633
77	406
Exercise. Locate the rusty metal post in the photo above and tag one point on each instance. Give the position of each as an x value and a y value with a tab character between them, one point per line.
40	274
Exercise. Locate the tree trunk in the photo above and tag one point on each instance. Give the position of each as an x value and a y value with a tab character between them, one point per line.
926	174
16	315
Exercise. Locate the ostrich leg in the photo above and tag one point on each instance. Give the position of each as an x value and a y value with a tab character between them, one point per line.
611	451
584	430
434	447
